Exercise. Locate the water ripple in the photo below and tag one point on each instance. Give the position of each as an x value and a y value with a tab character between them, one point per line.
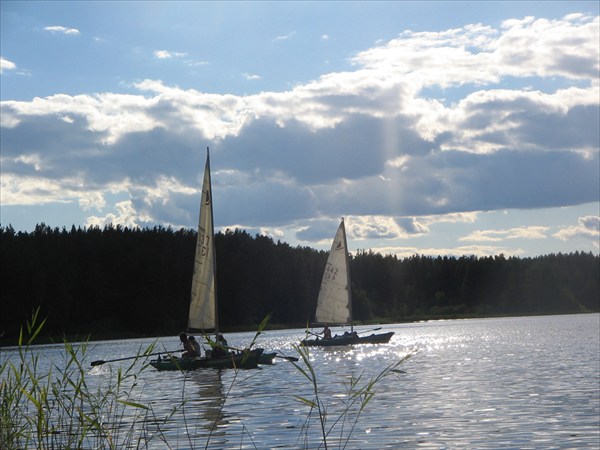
487	383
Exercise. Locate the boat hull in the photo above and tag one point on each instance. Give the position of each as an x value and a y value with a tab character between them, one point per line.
241	360
267	358
382	338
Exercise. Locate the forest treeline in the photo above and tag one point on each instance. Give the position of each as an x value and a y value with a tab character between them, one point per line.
123	282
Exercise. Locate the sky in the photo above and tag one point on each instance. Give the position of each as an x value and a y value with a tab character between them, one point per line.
434	128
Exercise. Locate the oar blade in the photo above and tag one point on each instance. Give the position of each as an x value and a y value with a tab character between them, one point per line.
369	331
101	361
288	358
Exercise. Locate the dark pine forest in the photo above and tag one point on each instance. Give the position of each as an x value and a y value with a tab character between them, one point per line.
125	282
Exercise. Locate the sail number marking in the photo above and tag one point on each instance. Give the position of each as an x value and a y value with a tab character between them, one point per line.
203	241
331	272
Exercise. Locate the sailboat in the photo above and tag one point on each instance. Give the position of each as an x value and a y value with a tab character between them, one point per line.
334	304
203	312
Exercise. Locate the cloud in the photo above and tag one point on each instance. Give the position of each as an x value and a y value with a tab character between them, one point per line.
286	36
252	76
367	227
126	217
587	229
62	30
480	251
5	64
165	54
370	227
483	55
373	144
531	232
192	63
461	217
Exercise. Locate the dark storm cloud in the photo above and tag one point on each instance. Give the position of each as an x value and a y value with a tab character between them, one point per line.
61	146
578	128
353	149
277	175
516	180
277	202
68	148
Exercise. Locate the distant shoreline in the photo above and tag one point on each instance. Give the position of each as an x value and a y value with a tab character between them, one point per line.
114	336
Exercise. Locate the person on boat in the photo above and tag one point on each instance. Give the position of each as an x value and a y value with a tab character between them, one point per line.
326	332
220	348
196	346
188	348
223	341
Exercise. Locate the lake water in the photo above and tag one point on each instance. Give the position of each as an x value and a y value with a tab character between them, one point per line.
526	382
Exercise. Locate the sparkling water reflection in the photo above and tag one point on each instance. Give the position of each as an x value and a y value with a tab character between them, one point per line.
530	382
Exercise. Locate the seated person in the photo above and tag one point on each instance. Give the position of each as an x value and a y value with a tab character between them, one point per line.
188	348
220	348
195	345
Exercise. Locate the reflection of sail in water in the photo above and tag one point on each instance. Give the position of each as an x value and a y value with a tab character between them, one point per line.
207	402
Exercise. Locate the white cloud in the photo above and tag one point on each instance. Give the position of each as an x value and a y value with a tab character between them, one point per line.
482	55
252	76
472	250
62	30
38	190
369	227
33	160
110	115
588	228
530	232
165	54
286	36
92	200
273	233
461	217
164	187
192	63
5	64
126	216
35	189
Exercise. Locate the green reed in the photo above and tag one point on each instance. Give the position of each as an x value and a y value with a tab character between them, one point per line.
339	428
56	407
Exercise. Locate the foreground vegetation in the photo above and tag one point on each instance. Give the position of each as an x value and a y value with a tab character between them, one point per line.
119	282
55	405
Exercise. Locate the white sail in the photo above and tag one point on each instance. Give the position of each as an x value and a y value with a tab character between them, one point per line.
203	305
334	305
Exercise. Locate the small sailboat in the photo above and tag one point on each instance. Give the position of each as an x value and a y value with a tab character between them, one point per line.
334	304
203	313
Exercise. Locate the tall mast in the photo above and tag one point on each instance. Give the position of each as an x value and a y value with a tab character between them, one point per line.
349	285
212	234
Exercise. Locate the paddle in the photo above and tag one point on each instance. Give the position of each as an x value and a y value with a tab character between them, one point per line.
367	331
288	358
100	361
